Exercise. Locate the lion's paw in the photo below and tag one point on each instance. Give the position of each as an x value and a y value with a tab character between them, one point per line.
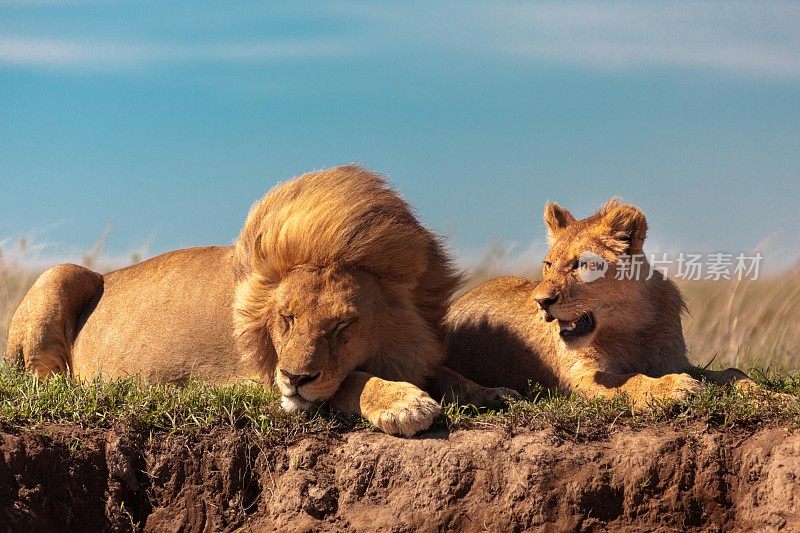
409	411
486	396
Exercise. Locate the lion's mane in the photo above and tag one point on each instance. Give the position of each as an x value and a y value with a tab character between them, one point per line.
344	217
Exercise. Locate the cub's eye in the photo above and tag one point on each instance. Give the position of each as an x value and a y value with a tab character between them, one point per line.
288	321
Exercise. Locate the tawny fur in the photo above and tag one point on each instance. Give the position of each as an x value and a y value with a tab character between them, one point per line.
332	278
497	334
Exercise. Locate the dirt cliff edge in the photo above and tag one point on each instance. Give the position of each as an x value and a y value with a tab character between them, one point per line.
663	478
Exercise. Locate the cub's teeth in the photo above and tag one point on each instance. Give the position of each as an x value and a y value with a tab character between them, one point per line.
568	327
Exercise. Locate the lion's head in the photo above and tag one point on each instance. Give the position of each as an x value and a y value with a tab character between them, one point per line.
334	273
595	275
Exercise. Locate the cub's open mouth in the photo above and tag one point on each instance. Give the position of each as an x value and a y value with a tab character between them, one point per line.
571	330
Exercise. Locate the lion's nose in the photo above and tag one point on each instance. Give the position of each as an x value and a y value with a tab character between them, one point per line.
298	380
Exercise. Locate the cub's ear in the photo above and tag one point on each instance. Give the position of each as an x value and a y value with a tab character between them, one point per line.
557	218
627	227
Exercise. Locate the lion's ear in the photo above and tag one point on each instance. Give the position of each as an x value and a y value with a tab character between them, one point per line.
557	218
627	227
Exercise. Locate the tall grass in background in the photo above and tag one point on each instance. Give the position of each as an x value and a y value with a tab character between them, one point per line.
745	323
731	323
15	280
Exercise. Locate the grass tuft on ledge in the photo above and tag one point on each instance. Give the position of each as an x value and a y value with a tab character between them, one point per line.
26	402
574	418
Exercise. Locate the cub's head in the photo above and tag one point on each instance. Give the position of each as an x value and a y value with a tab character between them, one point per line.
590	282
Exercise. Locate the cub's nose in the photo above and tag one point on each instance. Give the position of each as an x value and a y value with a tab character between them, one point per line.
298	380
546	301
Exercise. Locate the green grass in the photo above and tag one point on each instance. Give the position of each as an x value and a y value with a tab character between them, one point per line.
28	402
574	418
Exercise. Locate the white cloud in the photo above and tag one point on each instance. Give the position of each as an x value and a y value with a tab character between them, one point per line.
752	39
101	54
17	3
758	39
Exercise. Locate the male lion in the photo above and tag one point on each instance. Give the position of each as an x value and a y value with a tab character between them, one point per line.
580	329
333	290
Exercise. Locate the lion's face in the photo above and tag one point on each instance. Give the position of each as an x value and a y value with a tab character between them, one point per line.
321	326
582	290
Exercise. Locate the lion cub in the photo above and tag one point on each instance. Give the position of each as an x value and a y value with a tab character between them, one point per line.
584	327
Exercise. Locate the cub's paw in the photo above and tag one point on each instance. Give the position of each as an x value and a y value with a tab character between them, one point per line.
676	387
406	410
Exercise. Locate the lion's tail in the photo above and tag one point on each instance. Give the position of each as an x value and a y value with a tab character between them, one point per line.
44	325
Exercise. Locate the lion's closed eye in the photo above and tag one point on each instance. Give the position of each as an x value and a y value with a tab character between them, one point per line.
343	325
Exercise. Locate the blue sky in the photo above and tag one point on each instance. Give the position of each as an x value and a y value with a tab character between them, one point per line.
168	119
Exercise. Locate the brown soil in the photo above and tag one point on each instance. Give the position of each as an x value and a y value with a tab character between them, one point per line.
663	478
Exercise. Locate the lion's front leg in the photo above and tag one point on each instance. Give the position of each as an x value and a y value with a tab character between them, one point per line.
394	407
640	389
453	387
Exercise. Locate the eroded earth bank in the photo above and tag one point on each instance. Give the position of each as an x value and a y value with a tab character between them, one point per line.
61	478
